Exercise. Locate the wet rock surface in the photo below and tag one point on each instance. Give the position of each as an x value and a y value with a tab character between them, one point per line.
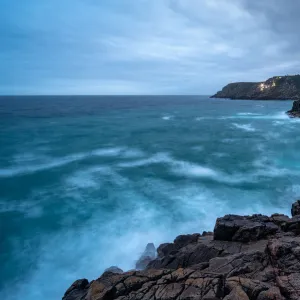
247	257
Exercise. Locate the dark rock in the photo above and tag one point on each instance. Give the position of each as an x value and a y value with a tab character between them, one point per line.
248	258
292	225
77	290
279	219
147	256
275	88
244	228
295	111
166	249
296	206
183	240
113	269
207	233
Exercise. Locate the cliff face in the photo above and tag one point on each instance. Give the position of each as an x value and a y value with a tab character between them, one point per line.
247	257
275	88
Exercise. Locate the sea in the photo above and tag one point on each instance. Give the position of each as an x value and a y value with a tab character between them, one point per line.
87	181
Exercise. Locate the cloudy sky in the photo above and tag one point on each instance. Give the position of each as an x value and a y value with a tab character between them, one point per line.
144	46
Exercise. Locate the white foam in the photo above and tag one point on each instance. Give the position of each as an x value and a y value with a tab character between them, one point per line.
198	148
194	170
278	123
132	153
201	118
155	159
167	118
246	127
82	180
87	250
107	152
277	116
248	114
58	162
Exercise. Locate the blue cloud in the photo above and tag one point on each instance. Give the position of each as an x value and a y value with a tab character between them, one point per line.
140	46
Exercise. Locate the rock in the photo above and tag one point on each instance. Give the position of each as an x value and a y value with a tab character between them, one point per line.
183	240
296	206
275	88
113	269
77	290
244	228
147	256
295	111
248	257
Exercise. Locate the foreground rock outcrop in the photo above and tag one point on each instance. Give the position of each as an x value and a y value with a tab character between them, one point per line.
246	257
295	111
275	88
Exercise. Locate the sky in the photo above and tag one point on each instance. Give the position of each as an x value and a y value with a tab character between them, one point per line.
115	47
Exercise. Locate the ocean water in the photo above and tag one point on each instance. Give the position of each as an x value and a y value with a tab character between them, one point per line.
87	182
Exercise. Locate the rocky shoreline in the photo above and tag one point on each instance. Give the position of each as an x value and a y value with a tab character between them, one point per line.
275	88
246	257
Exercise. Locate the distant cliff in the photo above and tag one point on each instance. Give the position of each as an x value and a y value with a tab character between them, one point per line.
275	88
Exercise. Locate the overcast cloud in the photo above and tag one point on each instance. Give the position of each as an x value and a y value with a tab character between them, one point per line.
144	46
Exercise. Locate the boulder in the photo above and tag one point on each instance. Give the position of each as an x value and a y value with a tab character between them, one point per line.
244	228
112	269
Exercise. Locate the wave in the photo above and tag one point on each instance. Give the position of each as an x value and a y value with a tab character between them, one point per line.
277	116
58	162
155	159
194	170
94	178
248	114
246	127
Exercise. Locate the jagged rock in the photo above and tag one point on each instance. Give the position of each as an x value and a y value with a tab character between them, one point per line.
147	256
296	206
248	258
166	249
275	88
77	290
295	111
244	228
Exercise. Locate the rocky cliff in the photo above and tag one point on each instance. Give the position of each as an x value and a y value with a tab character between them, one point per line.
275	88
246	257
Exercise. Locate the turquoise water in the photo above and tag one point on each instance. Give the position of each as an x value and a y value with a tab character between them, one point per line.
87	182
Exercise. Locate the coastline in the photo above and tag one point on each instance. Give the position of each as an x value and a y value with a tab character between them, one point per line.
246	257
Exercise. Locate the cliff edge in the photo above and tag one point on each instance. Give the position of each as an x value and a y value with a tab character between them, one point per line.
275	88
246	257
